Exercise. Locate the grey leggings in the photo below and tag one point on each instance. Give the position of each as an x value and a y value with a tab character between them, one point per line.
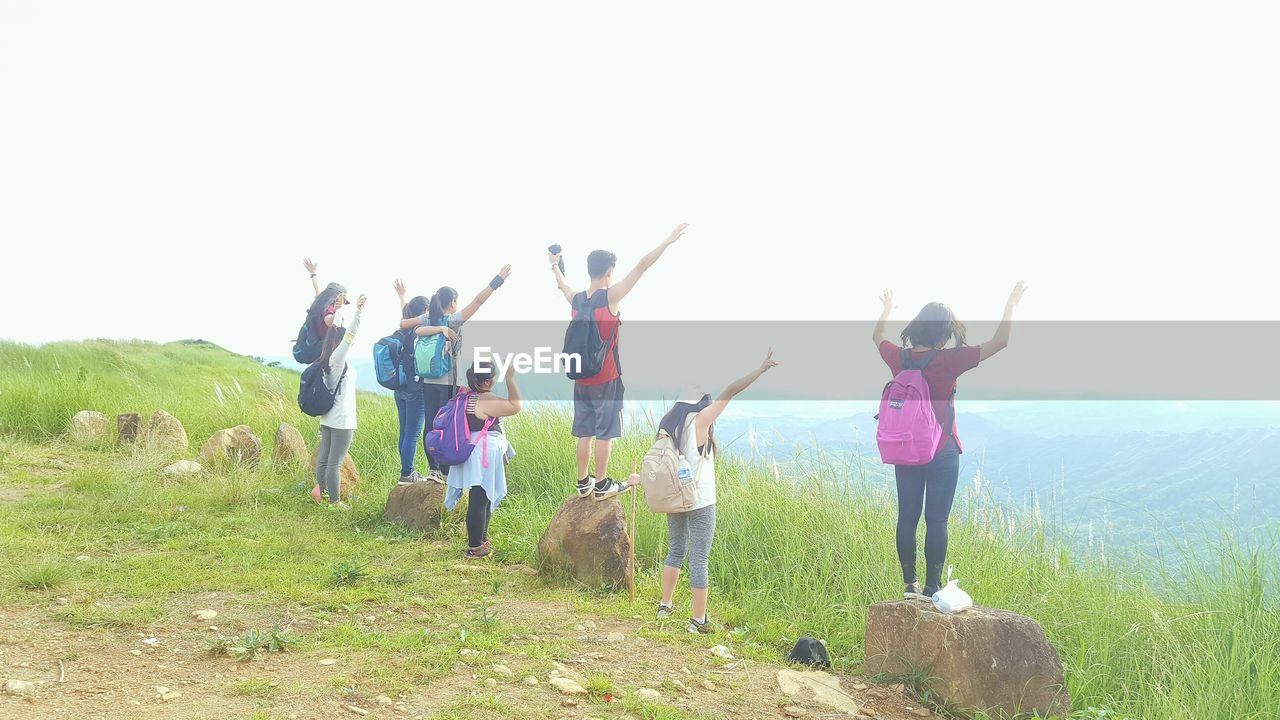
691	533
334	444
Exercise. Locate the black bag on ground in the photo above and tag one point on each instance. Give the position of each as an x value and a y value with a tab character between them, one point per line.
314	397
810	651
582	337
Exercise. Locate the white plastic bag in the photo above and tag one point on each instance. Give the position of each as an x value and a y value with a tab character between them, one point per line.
951	599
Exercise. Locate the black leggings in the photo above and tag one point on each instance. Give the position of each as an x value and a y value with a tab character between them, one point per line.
478	513
931	488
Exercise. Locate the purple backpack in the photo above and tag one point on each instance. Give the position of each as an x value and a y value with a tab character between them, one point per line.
908	431
449	441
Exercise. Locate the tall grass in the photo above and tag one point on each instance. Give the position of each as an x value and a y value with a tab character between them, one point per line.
805	553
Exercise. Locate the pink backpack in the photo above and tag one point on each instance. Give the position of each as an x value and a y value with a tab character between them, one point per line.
908	432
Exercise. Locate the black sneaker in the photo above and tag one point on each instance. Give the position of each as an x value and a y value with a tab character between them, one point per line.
411	478
608	488
912	592
928	592
700	628
584	486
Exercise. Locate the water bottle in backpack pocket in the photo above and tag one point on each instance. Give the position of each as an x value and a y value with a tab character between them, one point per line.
908	431
669	482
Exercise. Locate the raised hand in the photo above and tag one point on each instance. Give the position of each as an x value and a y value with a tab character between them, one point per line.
1016	295
505	271
769	362
310	265
675	234
360	302
886	298
400	287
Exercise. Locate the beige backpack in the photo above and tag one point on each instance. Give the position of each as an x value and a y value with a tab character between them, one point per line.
664	491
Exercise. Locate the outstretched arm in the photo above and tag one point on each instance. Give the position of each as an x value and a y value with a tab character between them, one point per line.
566	289
400	292
877	334
484	294
1000	340
709	414
620	290
310	265
339	357
496	407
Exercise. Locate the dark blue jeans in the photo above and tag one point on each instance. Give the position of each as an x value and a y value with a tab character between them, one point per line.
412	409
930	488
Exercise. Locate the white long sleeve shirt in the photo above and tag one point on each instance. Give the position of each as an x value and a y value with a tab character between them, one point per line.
343	414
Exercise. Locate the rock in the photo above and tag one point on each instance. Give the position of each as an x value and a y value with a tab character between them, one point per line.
615	637
679	685
567	686
348	476
82	558
355	709
793	711
648	694
135	652
183	467
490	683
419	506
469	653
238	445
708	685
290	448
88	427
589	625
982	659
530	681
721	651
205	615
588	541
384	701
328	661
19	687
922	712
825	688
164	432
127	427
502	670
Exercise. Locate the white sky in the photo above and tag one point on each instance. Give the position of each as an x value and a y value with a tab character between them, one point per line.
165	166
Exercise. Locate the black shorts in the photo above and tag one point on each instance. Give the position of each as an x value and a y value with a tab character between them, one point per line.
597	410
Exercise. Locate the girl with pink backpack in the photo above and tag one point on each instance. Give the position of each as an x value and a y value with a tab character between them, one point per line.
917	425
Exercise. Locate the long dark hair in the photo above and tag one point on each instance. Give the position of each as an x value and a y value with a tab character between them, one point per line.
933	327
416	306
673	423
326	298
476	378
332	340
441	300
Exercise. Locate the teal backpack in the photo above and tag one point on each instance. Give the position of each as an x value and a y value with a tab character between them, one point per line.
433	356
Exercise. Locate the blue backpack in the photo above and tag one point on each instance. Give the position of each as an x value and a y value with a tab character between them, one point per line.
433	356
392	363
449	441
307	346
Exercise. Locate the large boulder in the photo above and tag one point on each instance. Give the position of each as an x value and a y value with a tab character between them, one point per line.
237	445
349	476
163	432
419	506
290	448
992	661
88	427
588	541
127	427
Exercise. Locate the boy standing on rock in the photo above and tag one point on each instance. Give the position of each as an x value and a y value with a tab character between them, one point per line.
597	400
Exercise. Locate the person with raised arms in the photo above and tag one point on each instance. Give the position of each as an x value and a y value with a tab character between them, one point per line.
411	404
598	398
436	363
928	484
338	425
690	426
321	315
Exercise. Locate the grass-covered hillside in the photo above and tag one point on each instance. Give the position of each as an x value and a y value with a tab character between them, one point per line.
800	555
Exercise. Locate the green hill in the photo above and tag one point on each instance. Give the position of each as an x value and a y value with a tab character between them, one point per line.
793	556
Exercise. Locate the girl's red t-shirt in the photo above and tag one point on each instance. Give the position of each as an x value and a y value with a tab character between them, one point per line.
940	375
